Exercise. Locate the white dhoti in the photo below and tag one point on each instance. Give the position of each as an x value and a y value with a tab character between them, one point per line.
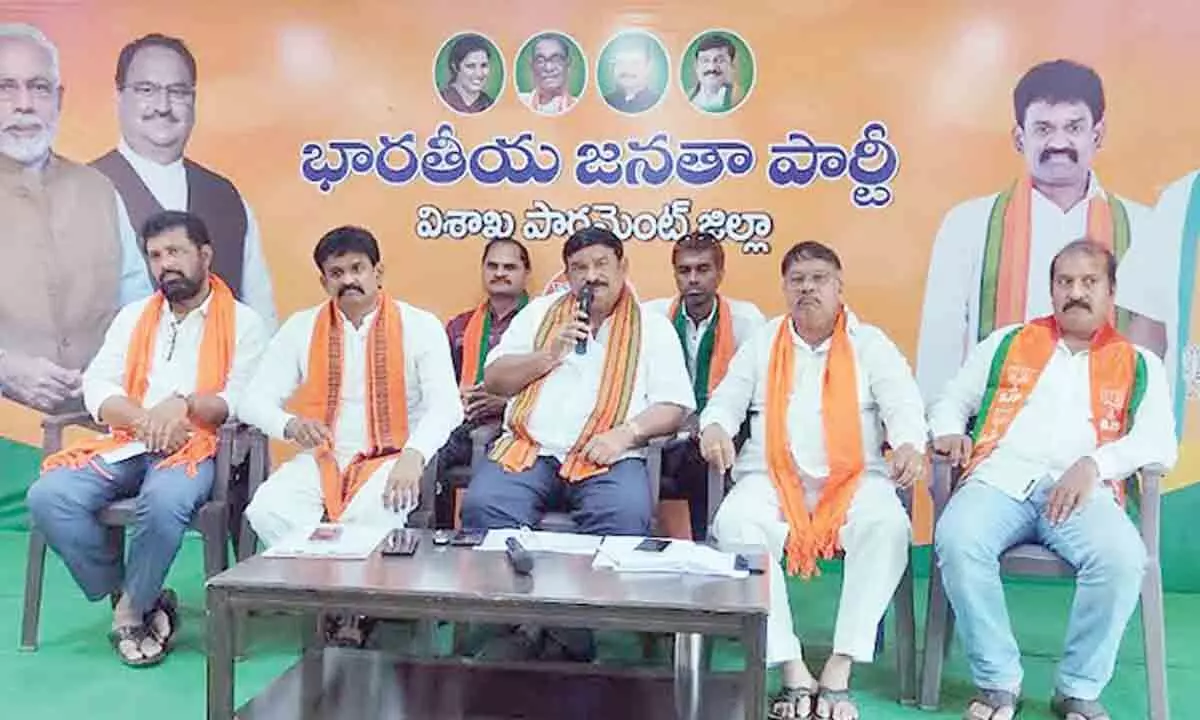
876	539
292	499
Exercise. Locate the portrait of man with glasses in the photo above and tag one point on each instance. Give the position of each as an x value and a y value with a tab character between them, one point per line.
156	85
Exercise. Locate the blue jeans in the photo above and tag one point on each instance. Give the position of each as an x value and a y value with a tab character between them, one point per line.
1098	539
615	503
64	504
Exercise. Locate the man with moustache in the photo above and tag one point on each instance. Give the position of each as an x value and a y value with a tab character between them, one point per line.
717	89
363	385
631	69
991	253
170	372
1064	410
550	63
711	328
574	436
824	391
474	333
59	235
156	106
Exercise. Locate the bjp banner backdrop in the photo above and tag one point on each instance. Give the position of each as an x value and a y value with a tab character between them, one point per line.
919	143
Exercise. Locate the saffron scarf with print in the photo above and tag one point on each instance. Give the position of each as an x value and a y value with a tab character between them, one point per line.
217	346
1004	279
715	351
1117	378
516	450
320	397
815	535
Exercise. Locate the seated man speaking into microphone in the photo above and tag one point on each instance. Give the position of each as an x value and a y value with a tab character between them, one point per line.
577	420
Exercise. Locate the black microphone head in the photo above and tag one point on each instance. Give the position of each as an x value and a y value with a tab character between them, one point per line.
585	297
518	557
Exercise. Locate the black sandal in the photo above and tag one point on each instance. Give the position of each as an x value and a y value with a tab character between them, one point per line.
135	634
1064	706
786	704
994	701
168	604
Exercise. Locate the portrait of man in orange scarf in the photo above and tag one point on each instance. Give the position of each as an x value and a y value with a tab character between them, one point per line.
171	370
363	385
1063	409
591	379
825	392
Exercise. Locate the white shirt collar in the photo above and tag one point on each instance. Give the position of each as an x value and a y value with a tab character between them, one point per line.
200	311
147	168
1093	190
851	329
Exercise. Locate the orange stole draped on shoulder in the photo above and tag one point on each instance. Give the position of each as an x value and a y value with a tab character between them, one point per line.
1112	370
815	535
320	397
216	359
722	348
516	451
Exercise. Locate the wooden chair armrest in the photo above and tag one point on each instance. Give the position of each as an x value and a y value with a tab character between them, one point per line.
54	425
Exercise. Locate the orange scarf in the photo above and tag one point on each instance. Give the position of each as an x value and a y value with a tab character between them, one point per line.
320	397
715	352
815	535
1012	281
1116	377
216	358
516	451
475	341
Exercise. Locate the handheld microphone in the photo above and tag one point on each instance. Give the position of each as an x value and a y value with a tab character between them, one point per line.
518	556
585	307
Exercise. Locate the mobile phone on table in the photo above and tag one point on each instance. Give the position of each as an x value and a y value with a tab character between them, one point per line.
652	545
753	564
468	538
400	542
326	533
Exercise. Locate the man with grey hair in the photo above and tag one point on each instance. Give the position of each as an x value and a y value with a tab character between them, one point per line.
60	235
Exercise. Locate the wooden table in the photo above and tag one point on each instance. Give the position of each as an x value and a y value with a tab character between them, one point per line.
465	585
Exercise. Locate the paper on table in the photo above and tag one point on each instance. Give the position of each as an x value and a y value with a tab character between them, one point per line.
353	542
566	543
680	557
126	451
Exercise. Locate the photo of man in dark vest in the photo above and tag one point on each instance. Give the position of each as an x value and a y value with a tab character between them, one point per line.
156	103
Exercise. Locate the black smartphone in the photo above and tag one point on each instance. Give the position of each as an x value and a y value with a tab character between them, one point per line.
400	542
468	538
753	564
653	545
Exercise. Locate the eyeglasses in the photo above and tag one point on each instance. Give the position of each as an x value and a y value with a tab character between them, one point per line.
177	94
174	336
39	88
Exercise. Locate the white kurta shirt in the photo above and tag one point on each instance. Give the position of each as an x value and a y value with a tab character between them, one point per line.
746	319
1054	429
890	403
950	316
176	356
431	391
571	390
168	185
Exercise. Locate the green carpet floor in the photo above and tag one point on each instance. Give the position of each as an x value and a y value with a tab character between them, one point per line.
75	675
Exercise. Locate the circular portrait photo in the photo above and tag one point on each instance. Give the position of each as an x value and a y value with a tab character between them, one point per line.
469	73
551	73
717	72
632	72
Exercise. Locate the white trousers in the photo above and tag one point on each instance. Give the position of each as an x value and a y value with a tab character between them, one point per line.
876	539
292	499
